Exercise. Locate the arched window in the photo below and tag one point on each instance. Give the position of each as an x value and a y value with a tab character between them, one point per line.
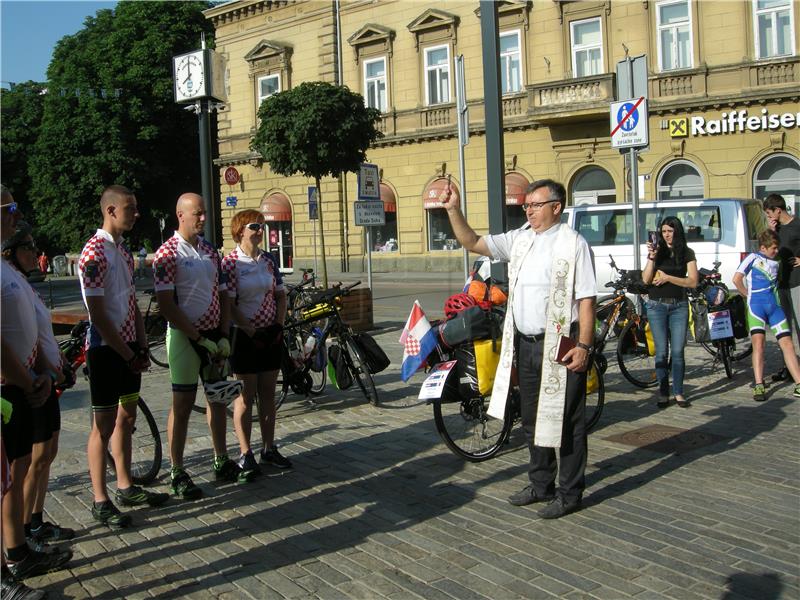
593	185
440	232
680	180
384	237
778	174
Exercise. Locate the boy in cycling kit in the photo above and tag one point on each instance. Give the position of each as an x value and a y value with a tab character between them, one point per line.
192	296
116	355
757	280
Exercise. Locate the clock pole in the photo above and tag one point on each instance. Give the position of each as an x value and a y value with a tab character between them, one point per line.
204	123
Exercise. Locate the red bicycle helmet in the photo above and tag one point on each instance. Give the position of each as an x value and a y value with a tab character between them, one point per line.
456	303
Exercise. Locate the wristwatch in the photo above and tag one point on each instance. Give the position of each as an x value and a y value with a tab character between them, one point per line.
586	347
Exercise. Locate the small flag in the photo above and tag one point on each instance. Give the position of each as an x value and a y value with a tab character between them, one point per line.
418	341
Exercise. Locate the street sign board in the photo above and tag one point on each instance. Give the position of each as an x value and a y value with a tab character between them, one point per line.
230	201
629	123
312	203
369	212
368	182
231	176
636	66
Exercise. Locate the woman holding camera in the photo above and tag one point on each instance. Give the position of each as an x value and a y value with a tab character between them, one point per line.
258	310
671	269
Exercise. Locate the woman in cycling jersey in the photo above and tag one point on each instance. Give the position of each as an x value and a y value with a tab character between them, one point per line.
258	310
671	269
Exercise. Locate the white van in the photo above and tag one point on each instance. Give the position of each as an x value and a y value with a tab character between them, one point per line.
724	229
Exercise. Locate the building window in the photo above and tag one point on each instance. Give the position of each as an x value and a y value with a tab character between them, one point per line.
375	83
674	35
593	185
437	75
510	64
587	47
778	174
774	25
384	237
267	86
440	232
680	180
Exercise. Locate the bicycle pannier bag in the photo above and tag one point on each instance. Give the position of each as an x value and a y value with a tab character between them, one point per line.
699	322
648	336
470	324
467	371
373	354
337	368
592	382
487	357
320	357
738	317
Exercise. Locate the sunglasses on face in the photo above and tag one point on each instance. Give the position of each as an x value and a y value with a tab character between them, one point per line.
255	226
11	207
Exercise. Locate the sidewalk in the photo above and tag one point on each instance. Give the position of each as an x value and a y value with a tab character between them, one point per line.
377	507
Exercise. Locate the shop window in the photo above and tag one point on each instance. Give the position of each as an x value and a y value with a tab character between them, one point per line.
277	211
375	83
516	185
674	26
587	47
774	28
680	180
778	174
510	62
593	185
384	238
440	232
437	75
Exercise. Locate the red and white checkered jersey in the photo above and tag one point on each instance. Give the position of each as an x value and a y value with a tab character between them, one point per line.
252	285
194	275
106	269
18	323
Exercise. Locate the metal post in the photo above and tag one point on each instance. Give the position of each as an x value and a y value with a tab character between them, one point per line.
495	153
369	256
204	123
314	222
463	140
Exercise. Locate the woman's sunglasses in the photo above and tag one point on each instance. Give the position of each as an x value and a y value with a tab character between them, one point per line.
11	207
256	226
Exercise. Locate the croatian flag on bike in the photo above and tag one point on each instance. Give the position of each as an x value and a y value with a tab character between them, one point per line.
418	341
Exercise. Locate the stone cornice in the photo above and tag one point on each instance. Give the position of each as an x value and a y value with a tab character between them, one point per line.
236	11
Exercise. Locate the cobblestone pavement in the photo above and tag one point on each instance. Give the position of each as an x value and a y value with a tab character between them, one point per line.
377	507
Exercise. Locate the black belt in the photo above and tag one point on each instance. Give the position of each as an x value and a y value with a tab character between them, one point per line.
668	300
531	339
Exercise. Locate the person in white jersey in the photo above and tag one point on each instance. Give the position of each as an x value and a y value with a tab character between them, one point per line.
24	387
258	311
551	296
116	356
191	295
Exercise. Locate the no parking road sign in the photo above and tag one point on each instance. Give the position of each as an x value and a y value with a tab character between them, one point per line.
629	123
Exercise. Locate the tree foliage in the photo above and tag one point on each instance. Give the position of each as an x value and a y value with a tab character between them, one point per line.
21	116
317	129
110	117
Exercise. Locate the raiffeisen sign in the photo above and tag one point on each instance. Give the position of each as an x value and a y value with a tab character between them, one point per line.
741	121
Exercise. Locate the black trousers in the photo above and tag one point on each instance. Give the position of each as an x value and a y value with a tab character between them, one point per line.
573	452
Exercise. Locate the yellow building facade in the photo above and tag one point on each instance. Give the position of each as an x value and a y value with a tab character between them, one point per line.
723	93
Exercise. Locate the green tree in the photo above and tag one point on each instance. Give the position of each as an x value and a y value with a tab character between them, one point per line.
110	117
21	116
317	129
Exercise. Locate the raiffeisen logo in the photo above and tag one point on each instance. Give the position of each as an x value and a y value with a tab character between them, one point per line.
739	121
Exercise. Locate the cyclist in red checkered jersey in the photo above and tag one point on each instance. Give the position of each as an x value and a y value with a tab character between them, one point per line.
258	311
191	295
116	355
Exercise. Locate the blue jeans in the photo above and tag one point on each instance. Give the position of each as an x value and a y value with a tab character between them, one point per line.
669	323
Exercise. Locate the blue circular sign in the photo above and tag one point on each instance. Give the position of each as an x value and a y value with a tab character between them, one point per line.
630	123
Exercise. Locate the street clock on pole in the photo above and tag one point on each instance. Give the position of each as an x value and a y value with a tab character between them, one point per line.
199	75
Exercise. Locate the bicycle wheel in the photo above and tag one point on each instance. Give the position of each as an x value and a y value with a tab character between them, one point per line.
156	329
468	431
725	357
595	394
633	356
358	367
745	351
146	451
157	350
604	307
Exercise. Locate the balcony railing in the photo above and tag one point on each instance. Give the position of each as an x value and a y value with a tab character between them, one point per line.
567	93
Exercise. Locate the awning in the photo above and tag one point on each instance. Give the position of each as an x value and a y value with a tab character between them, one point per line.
276	207
389	201
516	184
430	197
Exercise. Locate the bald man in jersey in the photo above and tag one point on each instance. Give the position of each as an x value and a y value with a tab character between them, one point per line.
191	295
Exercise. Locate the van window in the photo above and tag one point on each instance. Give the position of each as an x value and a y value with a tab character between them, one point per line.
615	227
756	220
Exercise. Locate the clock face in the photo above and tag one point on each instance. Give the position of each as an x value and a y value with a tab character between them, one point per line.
189	76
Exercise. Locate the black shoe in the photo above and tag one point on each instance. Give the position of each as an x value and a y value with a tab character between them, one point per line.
662	403
108	514
136	496
275	459
558	508
13	589
683	403
39	563
50	532
183	486
226	470
528	495
781	375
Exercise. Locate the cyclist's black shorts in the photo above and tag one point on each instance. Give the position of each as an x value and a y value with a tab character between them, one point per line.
18	432
263	353
111	382
46	418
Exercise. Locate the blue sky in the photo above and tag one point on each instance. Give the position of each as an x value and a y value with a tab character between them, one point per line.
29	30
